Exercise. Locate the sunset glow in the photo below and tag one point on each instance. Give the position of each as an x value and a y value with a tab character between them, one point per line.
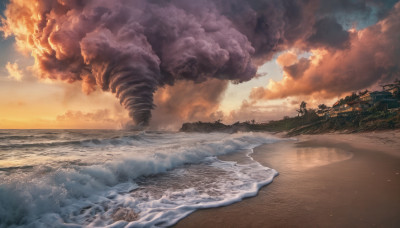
199	113
53	65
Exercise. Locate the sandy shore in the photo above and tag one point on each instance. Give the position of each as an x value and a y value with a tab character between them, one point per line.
332	180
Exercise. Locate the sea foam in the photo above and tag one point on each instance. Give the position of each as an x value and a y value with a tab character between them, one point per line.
159	178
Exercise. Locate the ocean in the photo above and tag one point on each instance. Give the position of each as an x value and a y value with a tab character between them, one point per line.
117	178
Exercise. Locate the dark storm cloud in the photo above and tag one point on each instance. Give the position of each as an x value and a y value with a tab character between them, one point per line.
133	48
297	70
130	47
328	32
363	8
372	58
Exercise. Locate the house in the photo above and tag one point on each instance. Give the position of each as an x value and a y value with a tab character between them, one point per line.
365	97
359	105
338	110
384	99
393	88
381	100
323	113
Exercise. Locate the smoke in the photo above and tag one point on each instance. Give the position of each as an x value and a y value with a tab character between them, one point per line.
133	48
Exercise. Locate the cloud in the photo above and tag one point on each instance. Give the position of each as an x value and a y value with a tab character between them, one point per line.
329	33
139	49
373	57
14	72
266	110
287	59
297	69
97	116
102	118
18	103
251	110
188	101
130	48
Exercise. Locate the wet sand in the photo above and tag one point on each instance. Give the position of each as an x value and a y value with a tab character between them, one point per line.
332	180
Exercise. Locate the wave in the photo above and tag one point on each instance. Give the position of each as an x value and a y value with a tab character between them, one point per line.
240	181
58	195
47	136
127	140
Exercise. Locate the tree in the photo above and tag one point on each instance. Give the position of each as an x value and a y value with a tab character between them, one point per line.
396	94
303	105
303	108
300	112
362	93
322	107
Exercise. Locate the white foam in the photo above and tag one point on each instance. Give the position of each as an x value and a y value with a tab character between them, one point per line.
89	194
245	181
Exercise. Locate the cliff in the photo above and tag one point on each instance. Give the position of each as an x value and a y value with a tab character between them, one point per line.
307	124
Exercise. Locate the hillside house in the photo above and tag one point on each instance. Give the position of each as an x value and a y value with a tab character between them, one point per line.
337	110
359	105
393	88
380	98
323	113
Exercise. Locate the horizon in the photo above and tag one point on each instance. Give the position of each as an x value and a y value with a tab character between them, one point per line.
127	128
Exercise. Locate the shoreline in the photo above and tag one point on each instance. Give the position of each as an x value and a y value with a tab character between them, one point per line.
329	180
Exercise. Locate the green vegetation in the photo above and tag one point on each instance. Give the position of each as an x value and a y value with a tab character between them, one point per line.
309	123
354	122
350	114
353	97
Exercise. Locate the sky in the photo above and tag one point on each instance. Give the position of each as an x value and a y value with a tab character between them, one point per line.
101	64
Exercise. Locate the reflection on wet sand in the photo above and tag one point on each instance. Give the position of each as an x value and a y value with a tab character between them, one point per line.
336	180
308	157
299	156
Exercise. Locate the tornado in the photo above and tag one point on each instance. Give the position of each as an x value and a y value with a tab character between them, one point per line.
131	48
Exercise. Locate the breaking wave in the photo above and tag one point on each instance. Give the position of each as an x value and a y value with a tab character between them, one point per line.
135	180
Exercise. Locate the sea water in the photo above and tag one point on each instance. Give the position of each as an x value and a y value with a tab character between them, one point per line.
97	178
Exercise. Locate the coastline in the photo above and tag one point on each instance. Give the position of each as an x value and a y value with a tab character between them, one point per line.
329	180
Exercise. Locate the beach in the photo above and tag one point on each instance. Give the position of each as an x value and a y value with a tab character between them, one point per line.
123	178
331	180
99	178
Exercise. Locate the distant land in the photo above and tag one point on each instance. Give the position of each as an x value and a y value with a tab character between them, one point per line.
359	112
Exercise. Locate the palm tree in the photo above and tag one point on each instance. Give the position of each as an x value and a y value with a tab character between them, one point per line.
303	108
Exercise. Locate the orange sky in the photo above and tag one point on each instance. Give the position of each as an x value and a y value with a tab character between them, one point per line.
31	103
28	102
313	68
